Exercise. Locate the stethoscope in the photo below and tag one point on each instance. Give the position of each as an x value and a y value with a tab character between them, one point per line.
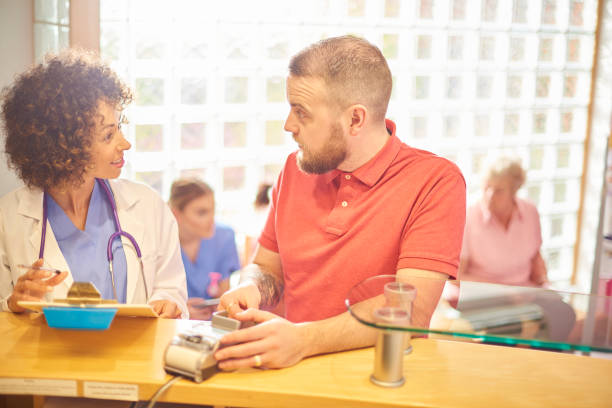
118	233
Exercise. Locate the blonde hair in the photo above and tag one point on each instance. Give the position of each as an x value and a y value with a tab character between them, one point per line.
508	168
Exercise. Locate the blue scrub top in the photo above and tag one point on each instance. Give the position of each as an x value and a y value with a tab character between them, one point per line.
217	254
85	251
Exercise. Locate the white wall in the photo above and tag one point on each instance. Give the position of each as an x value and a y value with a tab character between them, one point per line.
16	55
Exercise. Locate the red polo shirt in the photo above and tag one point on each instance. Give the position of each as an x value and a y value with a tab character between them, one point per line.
405	208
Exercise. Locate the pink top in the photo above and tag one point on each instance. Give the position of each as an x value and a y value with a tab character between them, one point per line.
497	255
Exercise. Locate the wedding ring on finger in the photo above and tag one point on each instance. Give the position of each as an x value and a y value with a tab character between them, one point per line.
257	358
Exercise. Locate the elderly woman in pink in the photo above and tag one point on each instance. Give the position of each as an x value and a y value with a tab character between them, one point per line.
502	241
502	238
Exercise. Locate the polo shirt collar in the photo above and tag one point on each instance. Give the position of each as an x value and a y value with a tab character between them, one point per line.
516	212
373	169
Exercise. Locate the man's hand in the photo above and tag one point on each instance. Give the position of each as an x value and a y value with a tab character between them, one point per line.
33	285
245	296
166	308
273	343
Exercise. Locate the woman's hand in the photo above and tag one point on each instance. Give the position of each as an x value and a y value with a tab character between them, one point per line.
199	310
166	308
33	285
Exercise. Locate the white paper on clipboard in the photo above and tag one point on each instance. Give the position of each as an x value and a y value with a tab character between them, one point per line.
136	310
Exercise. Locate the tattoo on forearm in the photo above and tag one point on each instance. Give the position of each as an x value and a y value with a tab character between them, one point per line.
270	288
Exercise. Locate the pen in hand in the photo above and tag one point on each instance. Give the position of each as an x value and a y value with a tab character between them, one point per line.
39	268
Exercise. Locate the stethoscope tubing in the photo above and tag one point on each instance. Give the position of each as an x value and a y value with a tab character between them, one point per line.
119	232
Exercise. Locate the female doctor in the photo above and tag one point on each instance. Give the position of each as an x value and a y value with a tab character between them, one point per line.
63	123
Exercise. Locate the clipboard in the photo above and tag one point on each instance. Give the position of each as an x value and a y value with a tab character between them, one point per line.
136	310
84	309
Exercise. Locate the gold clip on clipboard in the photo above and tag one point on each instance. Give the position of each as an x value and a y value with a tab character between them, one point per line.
84	293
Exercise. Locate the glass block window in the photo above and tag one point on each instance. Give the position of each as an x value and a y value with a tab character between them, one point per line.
426	9
542	86
563	157
560	190
519	11
233	178
536	158
51	27
539	122
573	50
514	86
576	9
517	49
481	125
275	89
545	50
149	91
453	88
421	88
275	136
189	173
149	138
489	10
549	8
356	8
392	8
486	48
452	126
236	90
533	193
234	134
455	47
484	86
424	47
390	46
566	121
420	127
511	124
569	86
193	91
193	136
472	78
556	226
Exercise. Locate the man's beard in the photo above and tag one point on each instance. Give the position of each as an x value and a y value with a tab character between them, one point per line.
328	158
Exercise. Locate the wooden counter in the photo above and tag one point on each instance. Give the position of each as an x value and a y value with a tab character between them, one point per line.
439	373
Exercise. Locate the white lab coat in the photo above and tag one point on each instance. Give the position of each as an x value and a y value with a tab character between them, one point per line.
142	213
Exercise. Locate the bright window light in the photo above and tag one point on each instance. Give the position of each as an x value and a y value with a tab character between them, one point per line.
471	78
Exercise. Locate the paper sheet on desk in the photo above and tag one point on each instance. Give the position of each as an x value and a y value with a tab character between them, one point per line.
138	310
478	295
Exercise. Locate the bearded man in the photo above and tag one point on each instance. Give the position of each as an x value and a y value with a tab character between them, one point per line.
353	202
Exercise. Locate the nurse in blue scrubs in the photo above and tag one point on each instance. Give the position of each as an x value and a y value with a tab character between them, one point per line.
208	248
64	140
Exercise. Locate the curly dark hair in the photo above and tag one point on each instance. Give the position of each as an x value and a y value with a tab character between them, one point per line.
49	115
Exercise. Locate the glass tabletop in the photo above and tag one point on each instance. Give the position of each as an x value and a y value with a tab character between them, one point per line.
484	312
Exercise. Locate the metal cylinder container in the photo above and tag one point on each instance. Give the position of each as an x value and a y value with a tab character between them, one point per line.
390	346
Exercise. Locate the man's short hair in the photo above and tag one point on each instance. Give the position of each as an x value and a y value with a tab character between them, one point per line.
353	70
